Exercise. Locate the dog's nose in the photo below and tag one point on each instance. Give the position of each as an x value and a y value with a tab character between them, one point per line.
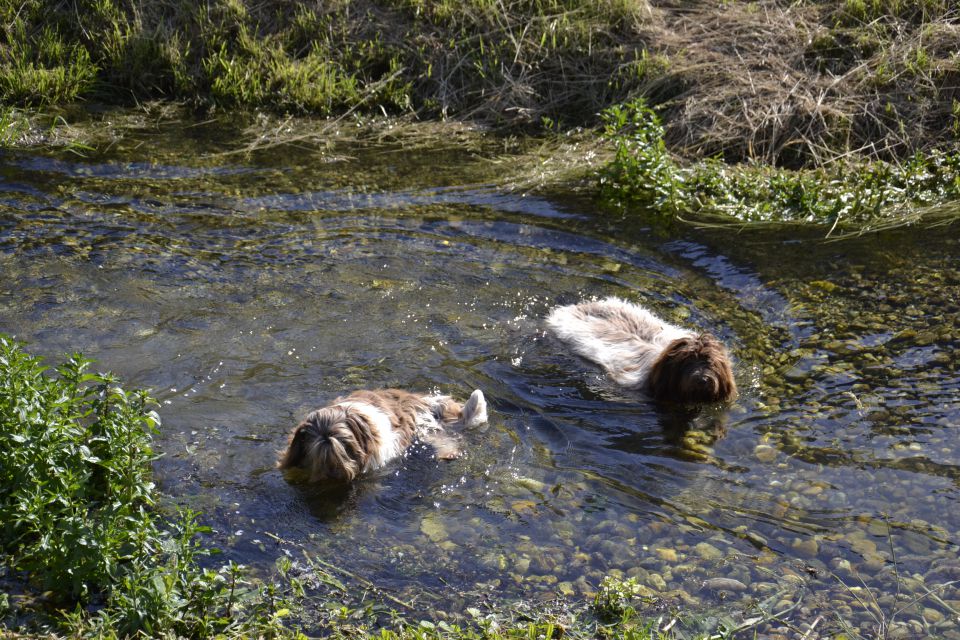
708	382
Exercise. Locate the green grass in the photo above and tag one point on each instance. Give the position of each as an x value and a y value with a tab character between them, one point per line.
218	54
855	196
915	11
42	67
514	61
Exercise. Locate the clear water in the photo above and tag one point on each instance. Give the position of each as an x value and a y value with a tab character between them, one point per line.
245	291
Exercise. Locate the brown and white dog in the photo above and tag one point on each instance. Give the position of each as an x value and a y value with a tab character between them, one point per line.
639	350
365	430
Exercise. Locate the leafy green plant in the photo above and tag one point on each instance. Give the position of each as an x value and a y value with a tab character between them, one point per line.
79	517
642	166
74	476
860	195
615	597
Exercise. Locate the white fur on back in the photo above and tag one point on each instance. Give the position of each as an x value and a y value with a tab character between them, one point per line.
622	337
390	446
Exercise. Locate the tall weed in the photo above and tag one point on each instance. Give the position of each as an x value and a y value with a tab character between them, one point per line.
74	472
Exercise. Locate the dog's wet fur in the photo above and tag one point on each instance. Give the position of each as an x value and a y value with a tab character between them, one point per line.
639	350
367	429
695	369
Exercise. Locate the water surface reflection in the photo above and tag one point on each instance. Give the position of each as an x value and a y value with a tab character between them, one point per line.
245	293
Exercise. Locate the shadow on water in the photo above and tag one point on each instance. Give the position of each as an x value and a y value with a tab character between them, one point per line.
246	293
328	503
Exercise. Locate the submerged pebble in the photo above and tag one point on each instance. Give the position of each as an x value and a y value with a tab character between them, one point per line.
765	453
724	584
667	555
707	551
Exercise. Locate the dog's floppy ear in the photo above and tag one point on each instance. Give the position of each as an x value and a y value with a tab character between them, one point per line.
333	461
721	367
344	442
296	450
663	379
364	442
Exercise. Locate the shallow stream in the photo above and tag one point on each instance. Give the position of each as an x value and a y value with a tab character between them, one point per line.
246	290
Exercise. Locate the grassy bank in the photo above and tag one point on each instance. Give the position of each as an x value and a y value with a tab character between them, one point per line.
783	82
844	114
476	59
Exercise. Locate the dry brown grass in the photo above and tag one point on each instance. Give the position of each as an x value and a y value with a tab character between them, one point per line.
516	62
789	83
803	83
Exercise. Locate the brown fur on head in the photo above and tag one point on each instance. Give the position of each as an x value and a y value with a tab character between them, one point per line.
332	443
693	369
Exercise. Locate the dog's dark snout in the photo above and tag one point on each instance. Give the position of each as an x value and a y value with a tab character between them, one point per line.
707	382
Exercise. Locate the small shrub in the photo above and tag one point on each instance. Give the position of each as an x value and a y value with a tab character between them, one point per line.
77	512
642	167
74	472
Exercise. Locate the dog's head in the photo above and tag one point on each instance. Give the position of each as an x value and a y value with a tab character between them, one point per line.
693	369
332	443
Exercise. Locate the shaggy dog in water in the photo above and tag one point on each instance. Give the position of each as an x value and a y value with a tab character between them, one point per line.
638	349
367	429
